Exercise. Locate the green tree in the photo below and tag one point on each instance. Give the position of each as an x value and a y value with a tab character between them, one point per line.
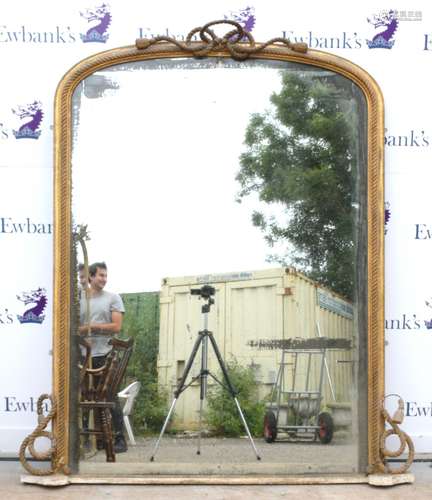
302	153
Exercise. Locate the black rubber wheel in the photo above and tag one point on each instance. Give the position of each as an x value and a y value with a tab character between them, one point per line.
326	427
270	429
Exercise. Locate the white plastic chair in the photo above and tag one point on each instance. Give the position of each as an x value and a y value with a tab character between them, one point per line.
129	394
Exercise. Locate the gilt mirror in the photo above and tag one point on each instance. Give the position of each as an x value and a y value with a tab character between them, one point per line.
235	192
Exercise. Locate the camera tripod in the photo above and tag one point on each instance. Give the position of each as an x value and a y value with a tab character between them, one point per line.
204	336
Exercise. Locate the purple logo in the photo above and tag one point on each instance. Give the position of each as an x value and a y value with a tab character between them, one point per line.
427	323
98	32
29	130
38	300
245	17
387	215
387	22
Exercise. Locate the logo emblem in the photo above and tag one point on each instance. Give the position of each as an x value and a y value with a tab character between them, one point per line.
38	300
427	323
387	215
245	17
387	23
30	129
98	32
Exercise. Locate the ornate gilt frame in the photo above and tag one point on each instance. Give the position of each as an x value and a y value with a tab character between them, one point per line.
273	50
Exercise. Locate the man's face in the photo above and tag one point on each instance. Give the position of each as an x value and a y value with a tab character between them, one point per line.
98	281
82	279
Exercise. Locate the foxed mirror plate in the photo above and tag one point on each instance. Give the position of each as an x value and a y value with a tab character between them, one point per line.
251	177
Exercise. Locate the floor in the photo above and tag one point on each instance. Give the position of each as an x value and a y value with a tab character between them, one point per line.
11	474
11	488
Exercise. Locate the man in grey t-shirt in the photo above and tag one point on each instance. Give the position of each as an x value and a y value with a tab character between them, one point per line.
101	317
105	316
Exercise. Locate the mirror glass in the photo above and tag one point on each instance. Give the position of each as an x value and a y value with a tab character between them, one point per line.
239	183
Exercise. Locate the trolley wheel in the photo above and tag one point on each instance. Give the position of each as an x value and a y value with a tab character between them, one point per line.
270	428
326	427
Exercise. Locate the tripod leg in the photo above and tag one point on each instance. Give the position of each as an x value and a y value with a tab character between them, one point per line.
163	429
200	428
178	391
232	391
245	425
203	384
181	384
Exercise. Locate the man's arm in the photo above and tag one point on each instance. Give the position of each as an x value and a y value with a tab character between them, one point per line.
108	328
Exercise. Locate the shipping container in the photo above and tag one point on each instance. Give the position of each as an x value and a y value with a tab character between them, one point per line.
253	310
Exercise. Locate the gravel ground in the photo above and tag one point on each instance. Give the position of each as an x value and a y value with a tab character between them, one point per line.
228	456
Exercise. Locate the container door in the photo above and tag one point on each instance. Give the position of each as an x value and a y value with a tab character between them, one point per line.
254	311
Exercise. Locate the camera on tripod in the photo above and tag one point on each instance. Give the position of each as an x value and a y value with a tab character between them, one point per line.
205	291
205	336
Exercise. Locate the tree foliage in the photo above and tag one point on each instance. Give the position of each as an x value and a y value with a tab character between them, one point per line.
302	153
141	322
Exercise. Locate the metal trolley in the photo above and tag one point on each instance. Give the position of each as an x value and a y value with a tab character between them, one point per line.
295	404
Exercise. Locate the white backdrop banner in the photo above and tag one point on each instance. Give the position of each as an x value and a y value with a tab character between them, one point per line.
40	41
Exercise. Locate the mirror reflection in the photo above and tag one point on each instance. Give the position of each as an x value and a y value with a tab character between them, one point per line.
217	284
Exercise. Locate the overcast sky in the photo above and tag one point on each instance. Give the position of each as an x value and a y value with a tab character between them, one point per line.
154	166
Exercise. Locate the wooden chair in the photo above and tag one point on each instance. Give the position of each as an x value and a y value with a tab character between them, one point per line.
99	388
